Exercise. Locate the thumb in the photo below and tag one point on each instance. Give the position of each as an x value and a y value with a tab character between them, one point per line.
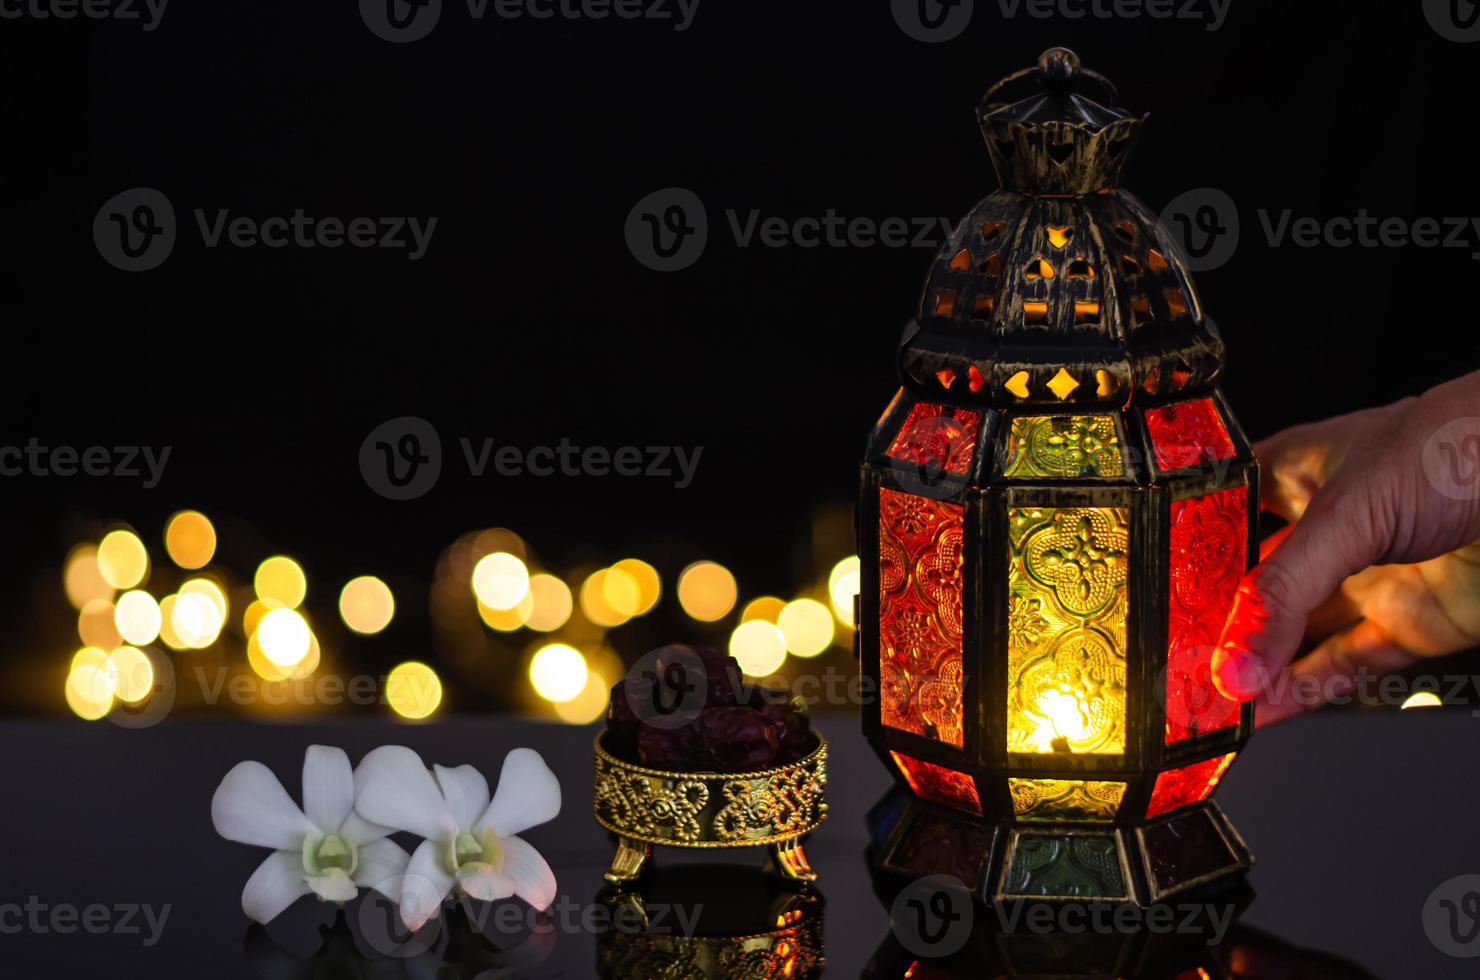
1336	538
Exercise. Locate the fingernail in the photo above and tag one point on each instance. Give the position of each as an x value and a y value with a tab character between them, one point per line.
1237	672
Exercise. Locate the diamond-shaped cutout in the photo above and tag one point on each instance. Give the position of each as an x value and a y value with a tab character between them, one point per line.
1062	384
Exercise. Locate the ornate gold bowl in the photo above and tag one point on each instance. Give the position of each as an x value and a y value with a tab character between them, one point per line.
773	807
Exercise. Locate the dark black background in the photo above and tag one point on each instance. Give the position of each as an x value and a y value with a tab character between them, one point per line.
529	320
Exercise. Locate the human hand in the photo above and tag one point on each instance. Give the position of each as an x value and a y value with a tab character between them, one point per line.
1381	562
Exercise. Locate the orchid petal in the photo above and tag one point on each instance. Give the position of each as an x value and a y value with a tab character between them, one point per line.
466	792
276	884
393	788
333	886
424	885
381	866
328	787
362	831
251	807
480	881
528	795
533	880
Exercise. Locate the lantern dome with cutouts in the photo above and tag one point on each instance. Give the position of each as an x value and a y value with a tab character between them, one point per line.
1056	512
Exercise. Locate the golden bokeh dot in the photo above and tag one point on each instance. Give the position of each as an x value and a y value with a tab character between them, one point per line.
366	605
122	561
89	690
284	636
413	690
1423	699
190	539
649	583
500	580
595	601
622	592
707	591
254	613
807	625
842	586
281	580
589	705
137	617
558	672
167	632
765	608
133	674
759	647
95	626
195	620
508	620
553	603
82	579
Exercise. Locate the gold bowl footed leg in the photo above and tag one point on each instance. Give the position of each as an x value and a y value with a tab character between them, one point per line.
792	861
627	862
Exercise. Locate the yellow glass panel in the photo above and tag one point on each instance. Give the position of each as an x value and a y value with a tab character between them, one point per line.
1085	801
1063	447
1067	595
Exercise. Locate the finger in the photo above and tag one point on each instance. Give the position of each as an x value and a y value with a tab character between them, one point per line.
1336	613
1295	463
1276	599
1332	670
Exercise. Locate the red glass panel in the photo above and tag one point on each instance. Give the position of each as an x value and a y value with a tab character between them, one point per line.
920	542
1209	552
938	436
1188	434
1191	784
939	784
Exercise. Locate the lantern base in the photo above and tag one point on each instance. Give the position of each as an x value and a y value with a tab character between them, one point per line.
1193	852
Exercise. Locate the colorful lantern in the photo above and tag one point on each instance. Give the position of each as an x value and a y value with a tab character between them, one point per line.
1056	512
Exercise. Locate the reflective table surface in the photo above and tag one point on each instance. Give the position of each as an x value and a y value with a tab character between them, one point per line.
1363	827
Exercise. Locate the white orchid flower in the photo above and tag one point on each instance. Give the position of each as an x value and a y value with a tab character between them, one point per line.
325	847
470	841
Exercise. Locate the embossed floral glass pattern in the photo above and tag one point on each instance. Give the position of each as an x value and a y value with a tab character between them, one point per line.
1063	447
1188	434
1056	800
937	436
1191	784
920	542
1209	552
939	784
1067	587
1085	866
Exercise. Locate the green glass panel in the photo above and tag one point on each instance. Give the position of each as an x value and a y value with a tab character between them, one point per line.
1063	447
1082	866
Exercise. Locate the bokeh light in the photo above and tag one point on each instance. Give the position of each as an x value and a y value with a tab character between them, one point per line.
137	618
82	579
765	608
284	636
132	673
596	603
1423	699
95	625
269	671
89	687
759	647
553	603
508	620
500	580
254	612
366	605
168	635
649	583
195	620
842	586
707	591
808	627
122	561
558	672
190	539
281	580
587	706
413	690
